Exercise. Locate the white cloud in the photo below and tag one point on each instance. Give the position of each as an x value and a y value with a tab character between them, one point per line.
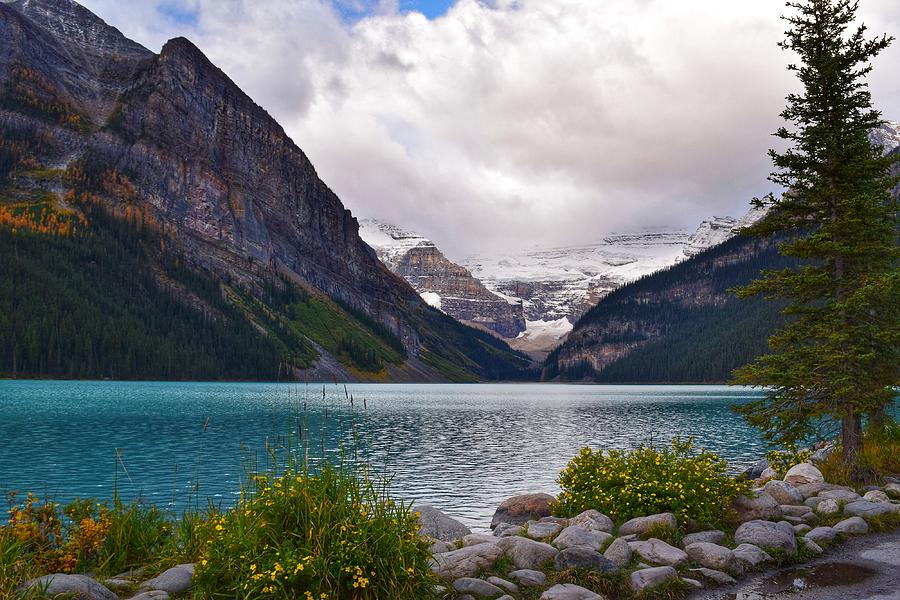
522	121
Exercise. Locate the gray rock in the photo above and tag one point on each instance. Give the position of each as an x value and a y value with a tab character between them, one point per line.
435	524
575	535
714	556
841	495
802	528
466	562
822	535
506	597
593	520
795	510
814	501
751	556
852	526
864	508
81	587
693	583
561	520
502	583
152	595
794	520
526	553
176	580
649	578
439	547
757	506
507	529
474	539
876	496
812	546
539	530
712	537
713	575
659	552
803	474
766	534
892	490
529	577
569	591
579	557
518	510
641	525
479	588
828	506
813	489
619	553
117	583
822	454
783	492
756	471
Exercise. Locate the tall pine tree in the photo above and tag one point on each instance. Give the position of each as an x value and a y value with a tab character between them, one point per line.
838	358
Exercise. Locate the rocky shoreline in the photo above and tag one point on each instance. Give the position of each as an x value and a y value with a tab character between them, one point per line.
532	554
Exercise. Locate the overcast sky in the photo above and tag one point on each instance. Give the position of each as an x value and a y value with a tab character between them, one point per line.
504	124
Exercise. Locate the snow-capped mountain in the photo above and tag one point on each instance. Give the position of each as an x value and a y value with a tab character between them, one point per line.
887	135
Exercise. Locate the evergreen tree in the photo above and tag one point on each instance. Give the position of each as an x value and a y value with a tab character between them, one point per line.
838	357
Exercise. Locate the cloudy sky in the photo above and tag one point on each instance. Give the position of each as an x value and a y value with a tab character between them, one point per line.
510	123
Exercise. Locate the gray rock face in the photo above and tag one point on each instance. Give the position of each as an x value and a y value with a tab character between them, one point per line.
766	534
575	535
841	495
812	489
812	546
828	506
579	557
802	528
478	588
713	556
502	583
713	575
864	508
537	530
176	580
751	556
569	591
435	524
852	526
507	529
876	496
466	562
619	553
712	537
518	510
822	535
593	520
478	538
761	506
642	525
804	474
649	578
529	577
80	586
783	492
799	510
526	553
659	552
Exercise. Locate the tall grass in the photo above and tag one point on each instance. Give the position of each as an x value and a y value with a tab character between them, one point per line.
879	456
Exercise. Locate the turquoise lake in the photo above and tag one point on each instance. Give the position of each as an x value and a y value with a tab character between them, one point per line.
462	448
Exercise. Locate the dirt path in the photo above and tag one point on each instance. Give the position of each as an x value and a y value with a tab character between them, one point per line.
867	567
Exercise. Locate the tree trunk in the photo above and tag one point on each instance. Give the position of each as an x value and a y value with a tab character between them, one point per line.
877	419
851	440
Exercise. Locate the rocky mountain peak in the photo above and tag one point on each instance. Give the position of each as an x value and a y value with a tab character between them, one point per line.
887	135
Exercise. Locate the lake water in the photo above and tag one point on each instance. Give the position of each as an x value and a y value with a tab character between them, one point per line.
462	448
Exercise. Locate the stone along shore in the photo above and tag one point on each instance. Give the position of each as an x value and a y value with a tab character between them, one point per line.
783	520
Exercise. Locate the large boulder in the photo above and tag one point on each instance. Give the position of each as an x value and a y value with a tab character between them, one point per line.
81	587
176	580
759	506
478	588
641	525
750	556
803	474
593	520
713	537
569	591
714	556
852	526
518	510
539	530
579	557
650	578
840	495
766	534
575	535
529	577
866	509
658	552
435	524
619	553
822	535
783	492
466	562
526	553
827	506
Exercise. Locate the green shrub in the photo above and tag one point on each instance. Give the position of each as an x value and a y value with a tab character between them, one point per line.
782	460
648	480
333	533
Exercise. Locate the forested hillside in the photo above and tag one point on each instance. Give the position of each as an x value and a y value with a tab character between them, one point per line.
677	325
